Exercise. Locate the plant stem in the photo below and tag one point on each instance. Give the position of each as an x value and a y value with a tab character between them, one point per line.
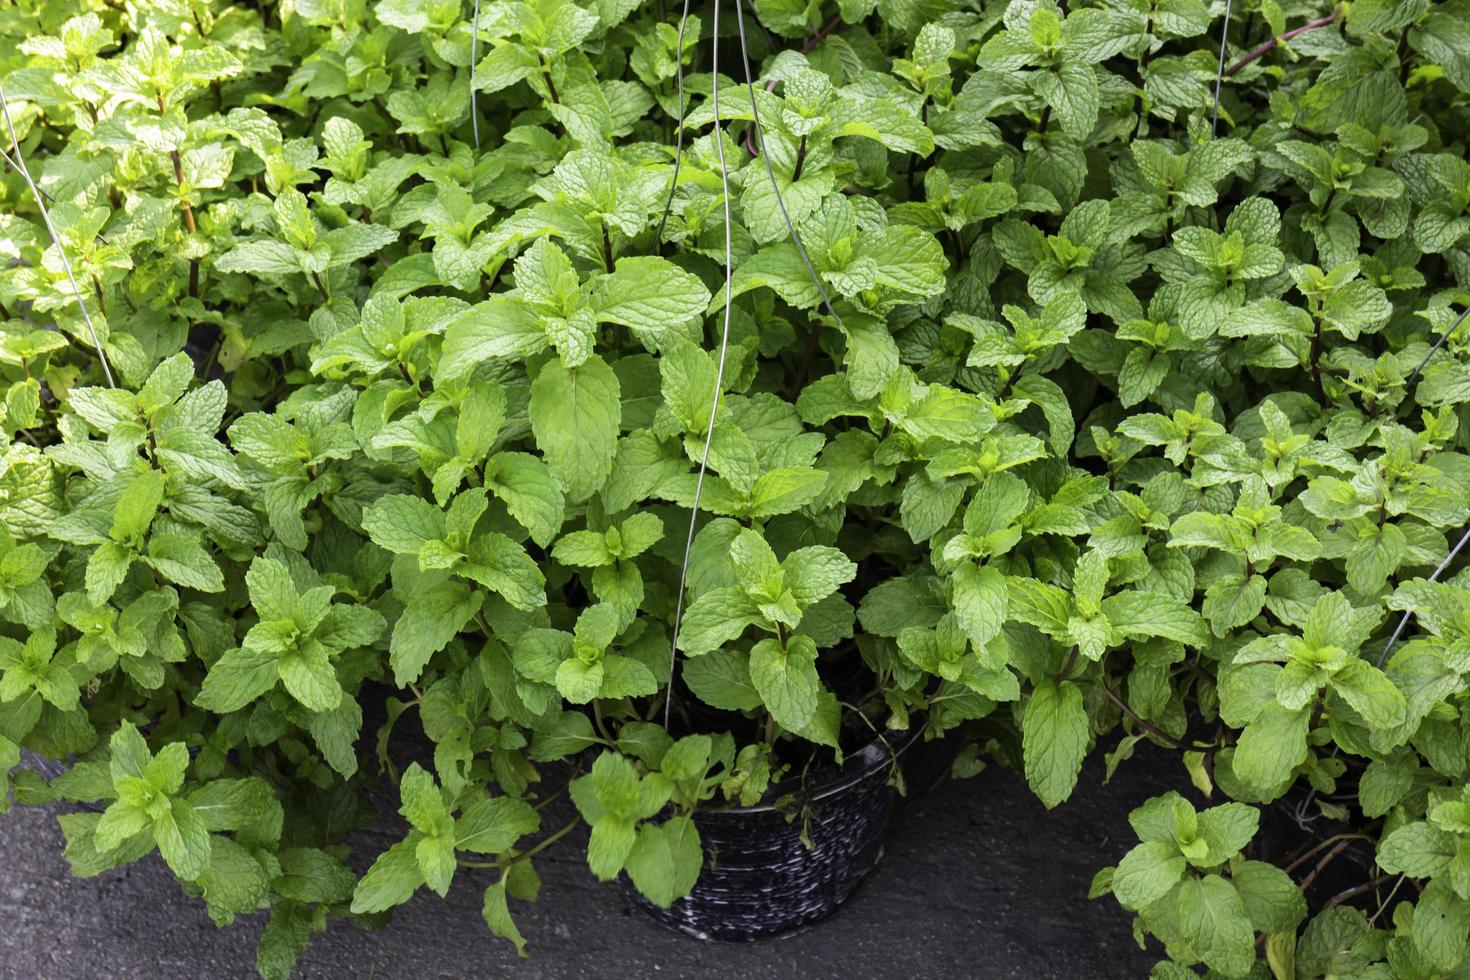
557	835
540	804
1148	30
601	724
1320	845
1067	664
1314	358
1355	891
321	287
811	42
1389	898
561	832
607	255
813	344
914	157
821	34
959	245
1010	381
1326	860
1290	35
189	224
800	159
1149	727
550	85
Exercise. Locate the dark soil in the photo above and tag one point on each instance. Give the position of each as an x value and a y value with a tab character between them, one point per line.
978	880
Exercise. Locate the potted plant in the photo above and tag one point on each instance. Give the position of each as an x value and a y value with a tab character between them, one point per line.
482	426
685	418
1282	450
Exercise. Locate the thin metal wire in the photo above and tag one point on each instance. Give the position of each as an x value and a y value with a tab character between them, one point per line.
475	57
1220	74
6	159
1300	814
16	167
1437	345
760	136
20	164
678	132
1409	613
719	372
1303	818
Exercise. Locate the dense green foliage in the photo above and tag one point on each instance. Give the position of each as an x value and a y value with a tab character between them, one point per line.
1114	415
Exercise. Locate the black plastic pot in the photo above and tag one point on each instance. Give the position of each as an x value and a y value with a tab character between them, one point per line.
761	879
50	768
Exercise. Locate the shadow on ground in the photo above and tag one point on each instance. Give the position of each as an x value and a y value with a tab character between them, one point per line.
977	881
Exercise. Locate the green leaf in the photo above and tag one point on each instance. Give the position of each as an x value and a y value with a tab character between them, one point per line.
1213	920
1054	740
1416	849
666	859
714	619
531	494
1075	98
721	679
496	912
106	570
310	678
1143	614
500	327
1442	925
786	680
816	572
574	415
182	840
492	826
650	295
1226	829
1371	694
234	883
335	733
402	524
437	610
236	679
181	559
262	258
1272	900
979	601
283	940
311	875
1270	747
1147	873
392	879
579	682
435	856
781	491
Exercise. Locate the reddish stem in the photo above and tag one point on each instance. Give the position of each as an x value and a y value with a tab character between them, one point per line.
1290	35
811	42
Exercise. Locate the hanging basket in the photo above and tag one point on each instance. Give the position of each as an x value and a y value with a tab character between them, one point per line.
48	767
761	879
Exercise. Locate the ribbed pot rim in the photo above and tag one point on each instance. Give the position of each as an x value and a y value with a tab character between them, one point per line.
873	756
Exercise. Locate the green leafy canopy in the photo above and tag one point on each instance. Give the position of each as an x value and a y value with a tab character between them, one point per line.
1043	378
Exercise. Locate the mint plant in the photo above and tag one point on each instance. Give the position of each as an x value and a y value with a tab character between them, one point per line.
1058	377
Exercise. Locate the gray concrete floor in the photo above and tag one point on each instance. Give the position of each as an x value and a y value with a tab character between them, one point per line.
978	881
